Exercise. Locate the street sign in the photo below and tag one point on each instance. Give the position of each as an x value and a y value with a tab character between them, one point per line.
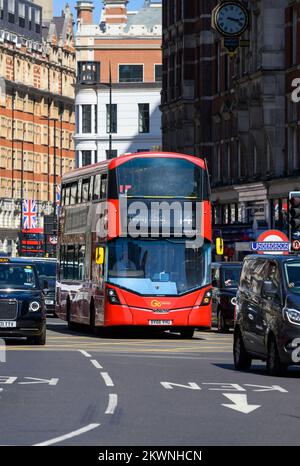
271	241
294	220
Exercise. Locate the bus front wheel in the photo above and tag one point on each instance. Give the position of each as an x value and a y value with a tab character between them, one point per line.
187	333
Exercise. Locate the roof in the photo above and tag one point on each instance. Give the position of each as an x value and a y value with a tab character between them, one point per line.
148	16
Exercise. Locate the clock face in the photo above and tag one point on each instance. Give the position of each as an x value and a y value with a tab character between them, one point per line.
231	19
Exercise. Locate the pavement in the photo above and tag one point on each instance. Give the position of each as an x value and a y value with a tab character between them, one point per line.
140	389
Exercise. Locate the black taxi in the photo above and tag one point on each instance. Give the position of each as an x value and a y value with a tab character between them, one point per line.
22	306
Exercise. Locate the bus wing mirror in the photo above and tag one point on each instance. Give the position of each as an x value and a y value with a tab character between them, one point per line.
99	256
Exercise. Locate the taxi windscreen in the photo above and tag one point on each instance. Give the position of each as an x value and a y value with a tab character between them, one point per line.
17	277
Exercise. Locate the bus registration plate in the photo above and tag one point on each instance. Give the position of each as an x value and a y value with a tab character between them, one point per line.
6	324
160	322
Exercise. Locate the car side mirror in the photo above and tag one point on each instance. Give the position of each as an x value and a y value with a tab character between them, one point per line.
269	289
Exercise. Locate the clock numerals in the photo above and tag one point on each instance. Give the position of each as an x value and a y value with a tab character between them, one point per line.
231	19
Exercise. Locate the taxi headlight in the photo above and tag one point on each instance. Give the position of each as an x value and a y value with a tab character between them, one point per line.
34	306
293	316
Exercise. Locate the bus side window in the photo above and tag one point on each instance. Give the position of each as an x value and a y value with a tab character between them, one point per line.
97	187
92	180
67	197
85	190
103	186
63	195
73	199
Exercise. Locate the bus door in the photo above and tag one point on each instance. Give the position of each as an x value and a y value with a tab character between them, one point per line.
98	258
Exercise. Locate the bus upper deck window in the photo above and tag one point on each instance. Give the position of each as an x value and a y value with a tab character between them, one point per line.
67	196
97	187
103	186
85	190
73	199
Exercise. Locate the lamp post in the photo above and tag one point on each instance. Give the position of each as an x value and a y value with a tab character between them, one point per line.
22	190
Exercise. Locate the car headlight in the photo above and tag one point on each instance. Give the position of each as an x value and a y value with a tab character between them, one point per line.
293	316
34	306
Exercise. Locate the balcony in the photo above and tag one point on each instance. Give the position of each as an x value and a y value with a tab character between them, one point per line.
88	72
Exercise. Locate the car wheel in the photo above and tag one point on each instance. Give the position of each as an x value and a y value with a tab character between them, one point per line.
39	340
187	333
93	327
274	365
242	359
222	326
69	322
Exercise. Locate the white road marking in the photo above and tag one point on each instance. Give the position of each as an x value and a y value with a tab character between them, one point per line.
266	388
33	380
112	403
75	433
87	355
96	364
240	403
107	379
170	385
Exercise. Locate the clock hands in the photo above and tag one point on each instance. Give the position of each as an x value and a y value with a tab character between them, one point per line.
235	20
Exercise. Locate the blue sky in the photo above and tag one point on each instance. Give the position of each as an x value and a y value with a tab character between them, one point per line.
59	5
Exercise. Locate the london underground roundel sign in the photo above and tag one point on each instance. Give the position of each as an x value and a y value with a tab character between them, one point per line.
271	242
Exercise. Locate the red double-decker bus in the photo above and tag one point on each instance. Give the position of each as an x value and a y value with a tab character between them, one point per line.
134	243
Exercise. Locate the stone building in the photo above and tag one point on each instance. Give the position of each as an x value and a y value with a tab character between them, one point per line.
237	113
37	75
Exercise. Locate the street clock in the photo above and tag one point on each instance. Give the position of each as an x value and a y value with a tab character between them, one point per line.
230	19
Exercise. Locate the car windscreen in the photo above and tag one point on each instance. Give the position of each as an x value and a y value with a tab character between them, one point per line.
46	271
17	277
292	273
231	277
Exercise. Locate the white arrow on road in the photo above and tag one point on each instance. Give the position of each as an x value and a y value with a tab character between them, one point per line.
240	403
34	380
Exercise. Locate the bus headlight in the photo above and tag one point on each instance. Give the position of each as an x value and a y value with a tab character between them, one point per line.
206	298
112	296
34	306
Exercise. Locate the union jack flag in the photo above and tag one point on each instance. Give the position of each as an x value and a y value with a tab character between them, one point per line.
29	214
57	199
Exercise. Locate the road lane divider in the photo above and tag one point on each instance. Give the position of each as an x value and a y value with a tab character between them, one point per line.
96	364
62	438
85	353
107	379
112	403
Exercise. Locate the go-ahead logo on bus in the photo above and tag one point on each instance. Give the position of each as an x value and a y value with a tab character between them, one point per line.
155	303
271	241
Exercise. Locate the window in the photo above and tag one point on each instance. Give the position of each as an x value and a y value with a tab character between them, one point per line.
97	187
111	118
37	20
131	73
11	11
1	9
85	190
111	154
144	118
86	118
158	73
86	157
22	14
30	18
73	199
103	186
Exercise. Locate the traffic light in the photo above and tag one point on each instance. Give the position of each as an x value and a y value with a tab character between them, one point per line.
294	198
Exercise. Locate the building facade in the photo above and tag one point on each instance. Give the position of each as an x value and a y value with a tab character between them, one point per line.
239	114
118	81
37	76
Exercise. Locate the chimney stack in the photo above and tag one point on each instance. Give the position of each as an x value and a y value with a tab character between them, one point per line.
85	10
115	11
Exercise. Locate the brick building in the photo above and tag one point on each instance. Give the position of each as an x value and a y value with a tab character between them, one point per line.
125	49
37	73
236	113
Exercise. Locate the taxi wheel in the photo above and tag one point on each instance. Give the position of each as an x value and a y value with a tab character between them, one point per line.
274	365
222	326
40	340
242	359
